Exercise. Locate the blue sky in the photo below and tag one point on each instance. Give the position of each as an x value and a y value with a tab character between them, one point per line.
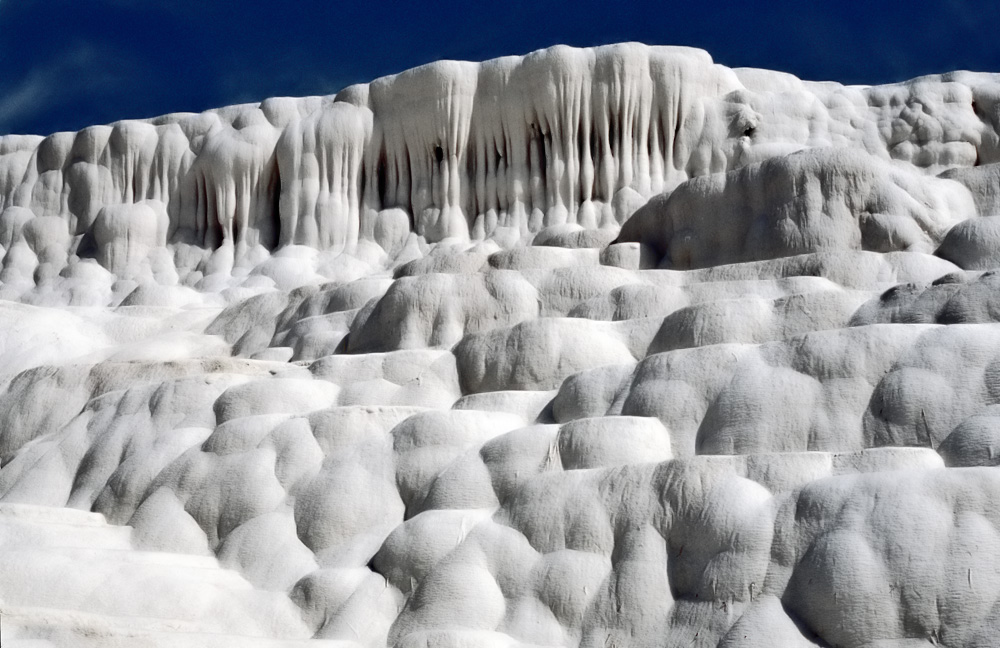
70	63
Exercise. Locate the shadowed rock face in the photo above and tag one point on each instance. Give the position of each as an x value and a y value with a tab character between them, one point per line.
602	347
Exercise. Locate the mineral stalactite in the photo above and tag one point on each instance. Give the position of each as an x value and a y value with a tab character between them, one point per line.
589	348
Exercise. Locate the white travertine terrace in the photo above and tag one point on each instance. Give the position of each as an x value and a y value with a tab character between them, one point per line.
590	347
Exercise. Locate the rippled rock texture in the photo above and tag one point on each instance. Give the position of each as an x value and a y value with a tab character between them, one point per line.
590	347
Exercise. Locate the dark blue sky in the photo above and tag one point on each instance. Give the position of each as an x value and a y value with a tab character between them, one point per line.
65	64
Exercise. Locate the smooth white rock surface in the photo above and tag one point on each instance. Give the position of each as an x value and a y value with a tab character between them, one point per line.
587	348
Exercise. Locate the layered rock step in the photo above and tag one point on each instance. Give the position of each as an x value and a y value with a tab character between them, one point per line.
68	578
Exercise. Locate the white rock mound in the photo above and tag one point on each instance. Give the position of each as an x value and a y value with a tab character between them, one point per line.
590	347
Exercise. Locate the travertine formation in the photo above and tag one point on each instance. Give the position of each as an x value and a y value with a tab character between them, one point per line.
590	347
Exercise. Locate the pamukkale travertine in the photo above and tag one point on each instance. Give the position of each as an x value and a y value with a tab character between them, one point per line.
590	347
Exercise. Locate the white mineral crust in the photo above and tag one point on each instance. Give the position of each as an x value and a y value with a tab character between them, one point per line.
586	348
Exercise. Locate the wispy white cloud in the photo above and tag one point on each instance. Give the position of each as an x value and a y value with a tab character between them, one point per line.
37	90
81	70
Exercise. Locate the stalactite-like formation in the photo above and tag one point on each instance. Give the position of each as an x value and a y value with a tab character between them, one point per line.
585	348
563	136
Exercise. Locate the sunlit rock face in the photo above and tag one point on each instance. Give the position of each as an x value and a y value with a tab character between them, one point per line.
590	347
